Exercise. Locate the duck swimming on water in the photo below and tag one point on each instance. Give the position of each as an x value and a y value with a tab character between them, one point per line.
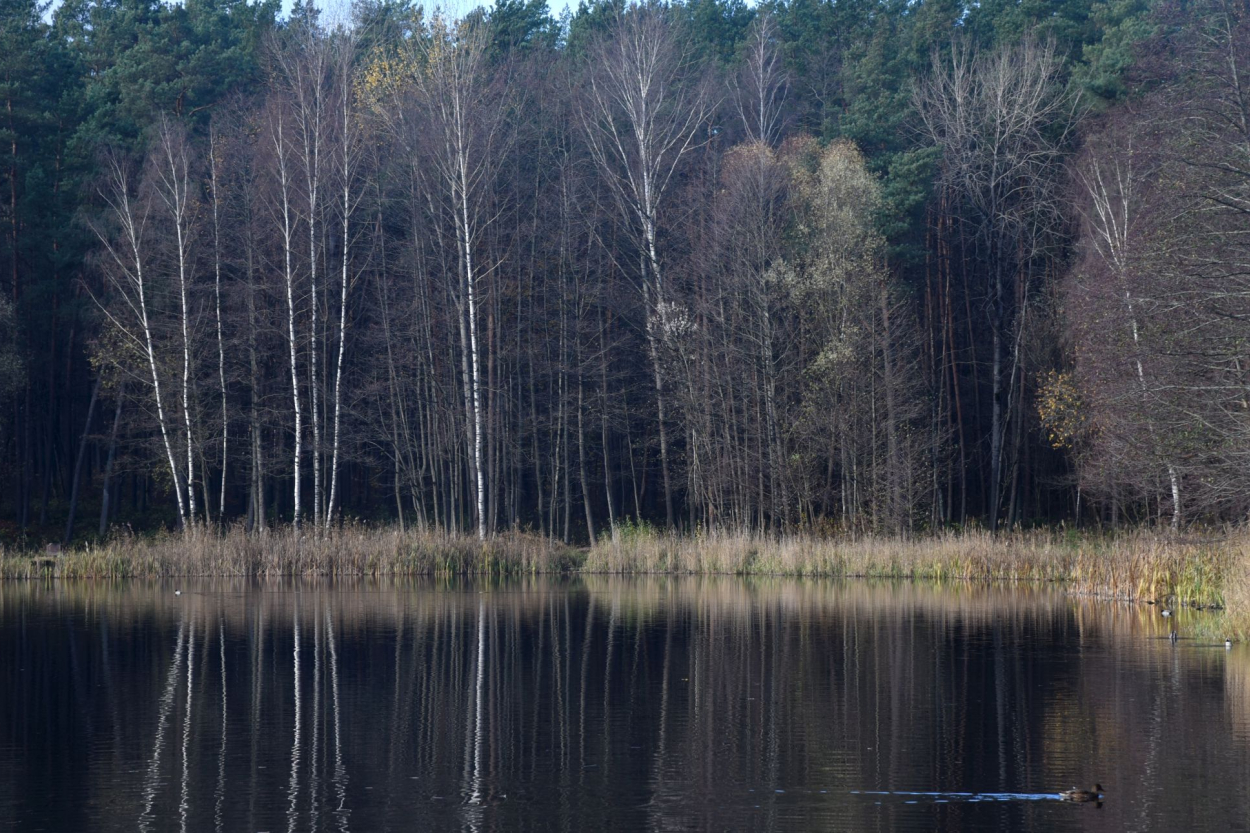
1082	795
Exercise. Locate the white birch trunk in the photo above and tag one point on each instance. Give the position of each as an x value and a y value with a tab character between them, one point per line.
134	290
1113	205
279	140
175	182
347	137
221	349
475	362
304	67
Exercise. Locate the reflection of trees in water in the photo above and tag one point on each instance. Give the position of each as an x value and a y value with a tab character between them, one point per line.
548	704
1237	688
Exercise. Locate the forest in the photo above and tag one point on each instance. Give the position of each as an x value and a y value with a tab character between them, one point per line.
805	265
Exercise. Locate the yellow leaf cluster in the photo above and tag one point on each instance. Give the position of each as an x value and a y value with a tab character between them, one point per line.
385	73
1060	409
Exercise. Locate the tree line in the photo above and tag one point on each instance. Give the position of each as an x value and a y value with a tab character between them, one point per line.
849	265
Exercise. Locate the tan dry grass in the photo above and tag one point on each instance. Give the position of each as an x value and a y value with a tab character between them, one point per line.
1236	624
1137	566
350	551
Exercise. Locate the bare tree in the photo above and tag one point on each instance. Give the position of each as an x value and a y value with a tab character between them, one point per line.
457	126
304	62
1001	120
215	200
279	129
347	156
641	113
761	84
1111	229
173	184
125	261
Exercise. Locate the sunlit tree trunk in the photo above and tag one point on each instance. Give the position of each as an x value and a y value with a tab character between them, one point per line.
174	184
278	135
221	345
348	122
128	258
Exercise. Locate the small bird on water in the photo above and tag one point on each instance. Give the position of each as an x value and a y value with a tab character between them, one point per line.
1172	636
177	592
1166	613
1082	795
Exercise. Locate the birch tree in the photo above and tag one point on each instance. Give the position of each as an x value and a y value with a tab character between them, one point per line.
347	156
462	113
283	207
1111	225
304	64
173	184
125	268
215	201
642	112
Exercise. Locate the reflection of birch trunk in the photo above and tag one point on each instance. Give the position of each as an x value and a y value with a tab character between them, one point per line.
293	789
340	769
184	802
314	749
613	617
167	703
475	781
581	694
221	751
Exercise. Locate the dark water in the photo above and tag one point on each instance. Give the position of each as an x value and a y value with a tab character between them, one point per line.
609	704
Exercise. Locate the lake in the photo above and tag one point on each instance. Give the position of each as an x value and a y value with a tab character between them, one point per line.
598	703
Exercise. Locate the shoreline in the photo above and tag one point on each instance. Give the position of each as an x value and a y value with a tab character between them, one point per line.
1201	572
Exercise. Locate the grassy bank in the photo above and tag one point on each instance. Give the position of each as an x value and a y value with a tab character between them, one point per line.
1202	571
1198	571
352	551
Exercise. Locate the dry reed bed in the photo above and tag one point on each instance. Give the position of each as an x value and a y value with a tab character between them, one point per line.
1197	571
1140	566
1137	567
352	551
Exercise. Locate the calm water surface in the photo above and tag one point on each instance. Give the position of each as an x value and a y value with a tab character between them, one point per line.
609	704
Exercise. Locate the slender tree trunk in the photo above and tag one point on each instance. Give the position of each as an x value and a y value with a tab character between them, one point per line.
131	265
82	452
347	205
581	458
106	490
603	422
221	348
280	147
